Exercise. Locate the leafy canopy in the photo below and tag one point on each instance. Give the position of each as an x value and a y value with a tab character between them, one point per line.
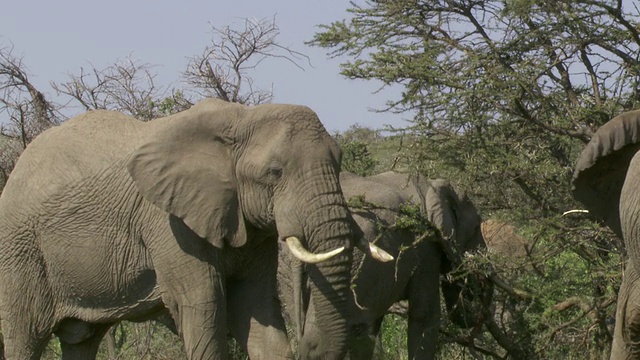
504	92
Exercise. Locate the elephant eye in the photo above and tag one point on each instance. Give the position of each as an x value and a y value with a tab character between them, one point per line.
274	172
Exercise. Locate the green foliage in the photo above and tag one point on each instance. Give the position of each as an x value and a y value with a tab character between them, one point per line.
574	296
357	202
355	144
500	97
411	218
171	104
357	159
393	340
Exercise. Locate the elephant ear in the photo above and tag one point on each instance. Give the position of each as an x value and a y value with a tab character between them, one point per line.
440	206
187	170
602	167
421	186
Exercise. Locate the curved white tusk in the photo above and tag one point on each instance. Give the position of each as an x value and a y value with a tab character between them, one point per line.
579	211
304	255
379	254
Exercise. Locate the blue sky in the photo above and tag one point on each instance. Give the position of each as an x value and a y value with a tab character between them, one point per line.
55	38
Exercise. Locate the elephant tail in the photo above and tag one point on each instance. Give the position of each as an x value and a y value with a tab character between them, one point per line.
602	167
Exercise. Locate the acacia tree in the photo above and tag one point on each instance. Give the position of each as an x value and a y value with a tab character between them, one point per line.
504	94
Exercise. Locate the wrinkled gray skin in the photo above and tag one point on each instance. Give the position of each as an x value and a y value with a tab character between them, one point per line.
414	275
106	218
607	181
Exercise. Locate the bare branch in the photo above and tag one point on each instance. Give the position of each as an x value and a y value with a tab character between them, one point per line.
127	86
27	110
222	69
26	106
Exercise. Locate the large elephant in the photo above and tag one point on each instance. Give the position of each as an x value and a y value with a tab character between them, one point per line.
607	181
416	275
106	218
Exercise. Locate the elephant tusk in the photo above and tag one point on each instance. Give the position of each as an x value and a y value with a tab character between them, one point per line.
575	211
370	249
302	254
379	254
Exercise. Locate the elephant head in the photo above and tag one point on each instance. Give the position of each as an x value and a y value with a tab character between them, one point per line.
226	169
458	220
607	181
453	213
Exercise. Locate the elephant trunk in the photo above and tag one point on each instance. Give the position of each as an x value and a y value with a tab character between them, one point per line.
328	226
329	296
463	310
466	299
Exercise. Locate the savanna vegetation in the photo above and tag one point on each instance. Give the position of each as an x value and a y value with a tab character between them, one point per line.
501	96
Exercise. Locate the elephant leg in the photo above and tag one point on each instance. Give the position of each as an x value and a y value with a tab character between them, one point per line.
255	322
27	315
424	311
365	341
199	313
626	337
255	312
20	344
80	341
193	290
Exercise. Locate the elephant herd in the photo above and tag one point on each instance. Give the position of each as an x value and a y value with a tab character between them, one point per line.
226	219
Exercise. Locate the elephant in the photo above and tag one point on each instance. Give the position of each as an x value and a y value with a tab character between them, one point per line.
107	218
606	181
416	275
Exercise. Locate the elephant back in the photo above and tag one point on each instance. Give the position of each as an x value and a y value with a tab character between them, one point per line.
374	192
602	167
69	155
404	184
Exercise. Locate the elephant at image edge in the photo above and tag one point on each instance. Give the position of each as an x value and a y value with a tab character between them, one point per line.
607	181
106	218
415	275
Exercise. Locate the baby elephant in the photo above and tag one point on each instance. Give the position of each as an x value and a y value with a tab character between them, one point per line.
413	275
